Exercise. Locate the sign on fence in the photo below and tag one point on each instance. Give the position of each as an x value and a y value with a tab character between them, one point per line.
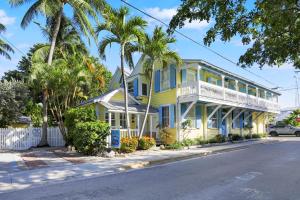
115	138
24	138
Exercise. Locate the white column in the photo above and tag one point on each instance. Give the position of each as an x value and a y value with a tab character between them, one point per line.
108	139
223	85
138	123
236	85
150	125
257	95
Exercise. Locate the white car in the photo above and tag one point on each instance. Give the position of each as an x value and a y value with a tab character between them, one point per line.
275	130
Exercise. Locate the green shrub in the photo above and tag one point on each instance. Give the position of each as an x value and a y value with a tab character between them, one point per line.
248	136
200	141
129	145
90	137
175	145
146	143
220	138
188	142
236	137
77	115
256	136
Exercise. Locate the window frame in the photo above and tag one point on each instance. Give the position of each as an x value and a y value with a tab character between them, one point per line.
162	82
213	120
143	94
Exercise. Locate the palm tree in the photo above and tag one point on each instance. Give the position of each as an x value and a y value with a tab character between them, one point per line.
82	9
5	49
126	33
155	49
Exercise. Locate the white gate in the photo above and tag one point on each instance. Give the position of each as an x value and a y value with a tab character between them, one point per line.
24	138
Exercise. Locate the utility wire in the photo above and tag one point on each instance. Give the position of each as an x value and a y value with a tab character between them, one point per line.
11	44
198	43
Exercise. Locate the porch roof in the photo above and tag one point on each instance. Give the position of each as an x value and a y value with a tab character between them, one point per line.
119	107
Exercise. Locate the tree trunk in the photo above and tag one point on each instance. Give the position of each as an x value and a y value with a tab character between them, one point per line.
43	141
125	89
148	103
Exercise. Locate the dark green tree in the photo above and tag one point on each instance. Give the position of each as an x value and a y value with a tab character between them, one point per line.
272	25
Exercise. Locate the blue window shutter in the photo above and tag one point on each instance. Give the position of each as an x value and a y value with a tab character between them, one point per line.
242	120
183	75
198	115
136	87
160	116
172	115
183	108
173	76
157	81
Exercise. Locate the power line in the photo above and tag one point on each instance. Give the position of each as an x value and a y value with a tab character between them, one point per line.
11	44
198	43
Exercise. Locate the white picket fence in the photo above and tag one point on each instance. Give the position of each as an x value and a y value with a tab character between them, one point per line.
24	138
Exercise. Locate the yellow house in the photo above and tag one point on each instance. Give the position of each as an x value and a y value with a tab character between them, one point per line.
215	101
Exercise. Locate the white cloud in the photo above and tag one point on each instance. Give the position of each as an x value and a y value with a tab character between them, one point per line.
166	15
6	20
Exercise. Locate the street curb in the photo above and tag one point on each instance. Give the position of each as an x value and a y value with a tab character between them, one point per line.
143	164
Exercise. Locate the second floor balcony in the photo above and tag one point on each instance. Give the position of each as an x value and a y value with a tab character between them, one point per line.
246	97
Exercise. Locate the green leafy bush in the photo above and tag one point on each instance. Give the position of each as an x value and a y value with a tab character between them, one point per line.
129	145
90	137
146	143
188	142
236	137
255	136
248	136
77	115
220	138
176	145
200	141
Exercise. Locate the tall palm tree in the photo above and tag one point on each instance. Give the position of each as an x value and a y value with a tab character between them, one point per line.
126	33
155	49
81	9
5	49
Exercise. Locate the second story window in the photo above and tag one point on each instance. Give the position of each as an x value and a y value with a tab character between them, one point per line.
165	78
130	87
144	89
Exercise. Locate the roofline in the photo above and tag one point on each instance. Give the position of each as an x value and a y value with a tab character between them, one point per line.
230	73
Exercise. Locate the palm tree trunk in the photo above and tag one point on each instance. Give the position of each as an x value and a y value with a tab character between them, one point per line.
125	89
148	103
43	141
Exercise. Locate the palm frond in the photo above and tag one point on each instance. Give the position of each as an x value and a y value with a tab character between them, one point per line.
103	44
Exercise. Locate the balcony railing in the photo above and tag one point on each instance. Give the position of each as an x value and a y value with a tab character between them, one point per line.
215	92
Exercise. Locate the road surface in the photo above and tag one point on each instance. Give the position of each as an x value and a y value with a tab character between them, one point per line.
260	172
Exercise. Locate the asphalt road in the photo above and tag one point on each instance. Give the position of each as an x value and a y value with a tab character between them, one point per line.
261	172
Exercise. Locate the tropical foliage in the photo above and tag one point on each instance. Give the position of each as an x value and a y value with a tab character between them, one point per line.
155	49
12	102
271	27
5	49
125	32
291	119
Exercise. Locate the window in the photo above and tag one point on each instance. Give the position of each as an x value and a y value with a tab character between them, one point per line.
165	78
213	121
165	116
144	89
130	87
191	75
236	122
123	120
261	93
113	119
242	87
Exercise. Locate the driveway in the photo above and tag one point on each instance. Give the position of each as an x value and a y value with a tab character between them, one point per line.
260	172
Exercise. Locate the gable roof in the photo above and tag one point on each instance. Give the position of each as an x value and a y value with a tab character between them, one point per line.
106	97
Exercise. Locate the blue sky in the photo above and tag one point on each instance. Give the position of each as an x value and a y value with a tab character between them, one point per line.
164	10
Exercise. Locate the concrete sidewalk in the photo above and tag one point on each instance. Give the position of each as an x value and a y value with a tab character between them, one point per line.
95	166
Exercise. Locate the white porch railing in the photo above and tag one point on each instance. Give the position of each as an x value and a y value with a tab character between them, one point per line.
217	93
24	138
133	133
